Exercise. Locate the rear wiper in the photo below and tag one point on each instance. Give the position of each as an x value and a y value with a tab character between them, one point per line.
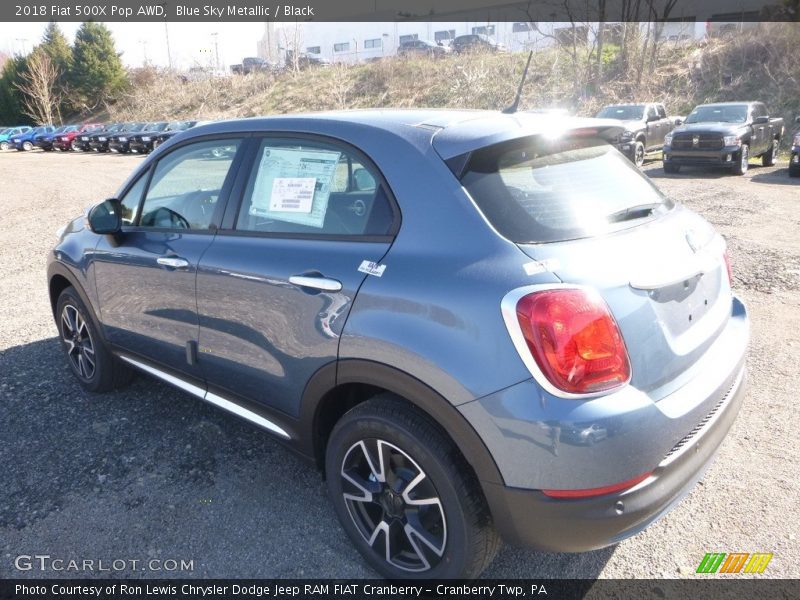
633	212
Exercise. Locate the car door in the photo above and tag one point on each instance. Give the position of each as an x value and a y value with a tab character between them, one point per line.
145	276
276	285
664	126
763	131
651	119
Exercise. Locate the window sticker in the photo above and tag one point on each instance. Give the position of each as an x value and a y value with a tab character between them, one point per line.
294	185
292	194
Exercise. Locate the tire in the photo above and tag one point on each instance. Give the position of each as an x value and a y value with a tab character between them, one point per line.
27	146
638	154
744	159
372	501
794	172
96	369
671	168
770	156
3	145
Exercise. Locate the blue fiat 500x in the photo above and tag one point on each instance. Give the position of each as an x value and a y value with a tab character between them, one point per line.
480	326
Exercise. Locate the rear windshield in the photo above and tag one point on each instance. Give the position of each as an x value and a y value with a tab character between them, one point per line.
624	113
534	190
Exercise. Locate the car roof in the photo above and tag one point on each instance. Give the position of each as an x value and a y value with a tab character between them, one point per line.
452	132
731	103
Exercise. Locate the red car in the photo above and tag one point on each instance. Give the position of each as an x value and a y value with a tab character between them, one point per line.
66	141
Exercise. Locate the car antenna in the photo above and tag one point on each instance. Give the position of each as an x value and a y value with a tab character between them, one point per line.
510	110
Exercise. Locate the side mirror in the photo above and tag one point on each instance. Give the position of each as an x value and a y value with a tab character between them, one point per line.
797	120
106	217
761	120
653	118
678	121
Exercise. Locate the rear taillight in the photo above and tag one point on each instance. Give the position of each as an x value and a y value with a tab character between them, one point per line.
728	267
574	340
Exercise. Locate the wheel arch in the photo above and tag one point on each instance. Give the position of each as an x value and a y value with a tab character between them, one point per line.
59	278
338	387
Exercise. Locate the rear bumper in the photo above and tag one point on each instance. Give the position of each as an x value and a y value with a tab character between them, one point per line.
530	518
726	157
541	442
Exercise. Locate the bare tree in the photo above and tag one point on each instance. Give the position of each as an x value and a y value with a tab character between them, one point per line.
41	96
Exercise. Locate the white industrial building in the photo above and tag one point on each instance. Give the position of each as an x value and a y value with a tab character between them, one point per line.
359	41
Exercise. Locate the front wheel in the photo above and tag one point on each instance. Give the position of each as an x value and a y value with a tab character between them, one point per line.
27	146
3	145
770	156
405	496
744	161
96	369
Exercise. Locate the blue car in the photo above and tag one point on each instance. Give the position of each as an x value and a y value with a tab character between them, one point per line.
8	133
45	140
25	141
479	326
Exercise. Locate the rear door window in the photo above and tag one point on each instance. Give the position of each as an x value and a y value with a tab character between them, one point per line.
535	190
313	188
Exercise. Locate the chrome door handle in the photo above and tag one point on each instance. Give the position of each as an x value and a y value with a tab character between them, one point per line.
317	283
172	261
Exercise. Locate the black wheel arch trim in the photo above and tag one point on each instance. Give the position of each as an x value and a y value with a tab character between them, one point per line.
391	379
58	269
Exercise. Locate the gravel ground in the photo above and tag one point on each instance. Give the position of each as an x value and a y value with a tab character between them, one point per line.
149	472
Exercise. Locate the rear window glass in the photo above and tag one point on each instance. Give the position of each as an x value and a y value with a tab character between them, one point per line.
534	190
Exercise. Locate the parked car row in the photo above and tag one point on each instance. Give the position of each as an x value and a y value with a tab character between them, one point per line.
141	137
724	134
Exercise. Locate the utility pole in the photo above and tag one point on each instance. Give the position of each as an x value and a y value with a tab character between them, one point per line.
216	50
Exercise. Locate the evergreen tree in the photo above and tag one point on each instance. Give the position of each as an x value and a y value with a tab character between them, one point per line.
11	108
97	72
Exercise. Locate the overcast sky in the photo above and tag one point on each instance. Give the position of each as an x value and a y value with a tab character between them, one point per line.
190	43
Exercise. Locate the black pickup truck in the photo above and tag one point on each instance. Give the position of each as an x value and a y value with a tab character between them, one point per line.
645	124
794	161
727	135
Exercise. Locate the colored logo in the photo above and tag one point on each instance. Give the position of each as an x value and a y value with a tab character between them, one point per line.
735	562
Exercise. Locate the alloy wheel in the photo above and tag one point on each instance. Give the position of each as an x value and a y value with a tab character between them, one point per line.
394	505
78	340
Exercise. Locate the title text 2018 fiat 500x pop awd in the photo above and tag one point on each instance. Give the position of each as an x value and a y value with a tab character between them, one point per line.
480	326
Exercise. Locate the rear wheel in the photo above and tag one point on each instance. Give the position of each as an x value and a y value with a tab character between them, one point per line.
405	496
638	154
744	161
96	369
770	156
3	145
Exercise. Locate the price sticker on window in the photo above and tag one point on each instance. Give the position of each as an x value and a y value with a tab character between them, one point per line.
293	194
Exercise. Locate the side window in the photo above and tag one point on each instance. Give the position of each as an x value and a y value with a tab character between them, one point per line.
313	188
132	200
651	113
186	184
